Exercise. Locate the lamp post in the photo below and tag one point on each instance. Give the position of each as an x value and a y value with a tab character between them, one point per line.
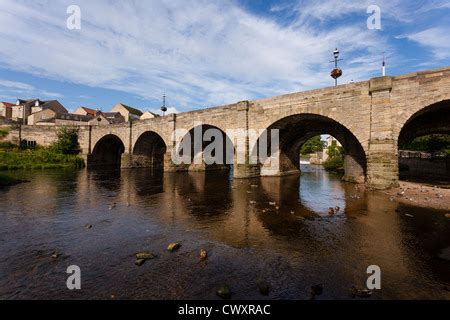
163	107
336	72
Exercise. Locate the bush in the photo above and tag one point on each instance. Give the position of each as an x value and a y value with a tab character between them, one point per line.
67	142
3	133
14	158
334	164
6	145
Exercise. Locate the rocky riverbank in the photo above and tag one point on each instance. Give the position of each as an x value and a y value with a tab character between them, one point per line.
427	196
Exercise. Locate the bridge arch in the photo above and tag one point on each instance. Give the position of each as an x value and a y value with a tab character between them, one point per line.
430	120
107	152
149	150
227	149
295	130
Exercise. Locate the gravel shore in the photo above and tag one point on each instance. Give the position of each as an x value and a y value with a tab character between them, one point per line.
421	195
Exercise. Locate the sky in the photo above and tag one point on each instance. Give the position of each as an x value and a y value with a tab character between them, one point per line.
207	53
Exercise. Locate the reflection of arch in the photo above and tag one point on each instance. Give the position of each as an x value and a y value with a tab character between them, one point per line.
433	119
227	149
295	130
149	150
107	152
208	194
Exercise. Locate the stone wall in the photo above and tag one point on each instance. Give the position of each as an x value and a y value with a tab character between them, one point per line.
425	169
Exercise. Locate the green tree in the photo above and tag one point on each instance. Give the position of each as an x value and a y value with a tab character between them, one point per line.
335	151
439	143
314	144
335	162
67	142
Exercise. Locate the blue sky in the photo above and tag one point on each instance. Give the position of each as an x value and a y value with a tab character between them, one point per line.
207	52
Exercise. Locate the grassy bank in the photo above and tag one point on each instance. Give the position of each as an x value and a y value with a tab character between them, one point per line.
14	158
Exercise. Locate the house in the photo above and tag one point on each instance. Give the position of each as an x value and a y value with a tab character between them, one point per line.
44	111
42	117
71	119
114	117
106	118
86	111
24	108
329	141
49	117
6	110
148	115
129	113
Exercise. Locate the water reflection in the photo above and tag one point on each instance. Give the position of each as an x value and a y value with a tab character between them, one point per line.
319	191
271	228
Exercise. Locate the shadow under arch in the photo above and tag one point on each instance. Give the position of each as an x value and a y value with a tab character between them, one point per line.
296	129
430	120
225	146
149	151
107	152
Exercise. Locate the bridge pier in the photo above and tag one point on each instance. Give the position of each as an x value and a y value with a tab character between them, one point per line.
382	158
242	171
382	165
353	171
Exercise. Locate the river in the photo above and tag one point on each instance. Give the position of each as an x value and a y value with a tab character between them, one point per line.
273	230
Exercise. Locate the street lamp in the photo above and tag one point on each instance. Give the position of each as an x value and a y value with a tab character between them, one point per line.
336	55
163	107
336	72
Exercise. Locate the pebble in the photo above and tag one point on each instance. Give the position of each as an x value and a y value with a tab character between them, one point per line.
224	292
330	211
145	256
173	246
139	262
203	254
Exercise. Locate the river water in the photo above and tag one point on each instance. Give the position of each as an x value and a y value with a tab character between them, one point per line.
273	230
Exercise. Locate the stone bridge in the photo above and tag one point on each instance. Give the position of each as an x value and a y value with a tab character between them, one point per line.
372	120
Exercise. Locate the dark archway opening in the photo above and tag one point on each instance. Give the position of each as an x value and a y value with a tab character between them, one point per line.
424	145
213	152
149	151
107	153
296	130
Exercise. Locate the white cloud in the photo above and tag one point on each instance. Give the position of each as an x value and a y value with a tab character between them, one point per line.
437	40
13	85
201	53
23	90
